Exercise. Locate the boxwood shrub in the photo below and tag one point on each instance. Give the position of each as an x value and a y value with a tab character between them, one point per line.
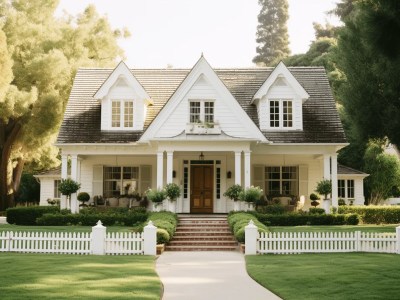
296	219
374	214
164	221
238	221
28	215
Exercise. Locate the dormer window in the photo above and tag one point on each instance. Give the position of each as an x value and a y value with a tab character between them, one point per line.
122	114
201	112
280	113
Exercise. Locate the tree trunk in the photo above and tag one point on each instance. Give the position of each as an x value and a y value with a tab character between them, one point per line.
8	135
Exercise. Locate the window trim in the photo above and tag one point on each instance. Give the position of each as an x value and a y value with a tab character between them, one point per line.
56	192
122	115
202	114
281	179
346	188
121	179
280	113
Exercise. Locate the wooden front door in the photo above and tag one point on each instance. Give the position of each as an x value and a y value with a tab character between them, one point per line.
201	189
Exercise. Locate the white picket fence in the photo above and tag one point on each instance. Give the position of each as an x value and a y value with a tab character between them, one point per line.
319	242
97	242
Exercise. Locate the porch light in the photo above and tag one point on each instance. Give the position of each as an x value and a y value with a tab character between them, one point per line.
201	156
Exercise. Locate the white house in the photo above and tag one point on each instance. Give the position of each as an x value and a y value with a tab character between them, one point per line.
204	129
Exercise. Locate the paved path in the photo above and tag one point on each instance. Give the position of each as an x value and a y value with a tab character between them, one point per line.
208	275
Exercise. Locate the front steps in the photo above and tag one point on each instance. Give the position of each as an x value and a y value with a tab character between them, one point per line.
202	233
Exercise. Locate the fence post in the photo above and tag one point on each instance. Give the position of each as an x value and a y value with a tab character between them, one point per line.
98	242
251	233
398	239
150	239
358	241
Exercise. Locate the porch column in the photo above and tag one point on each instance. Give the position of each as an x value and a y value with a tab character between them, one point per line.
238	171
247	169
74	176
64	175
334	194
327	167
170	156
160	170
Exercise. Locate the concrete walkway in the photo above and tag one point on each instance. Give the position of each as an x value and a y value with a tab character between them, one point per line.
208	275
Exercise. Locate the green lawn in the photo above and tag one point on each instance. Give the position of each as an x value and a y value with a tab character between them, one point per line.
325	228
8	227
328	276
37	276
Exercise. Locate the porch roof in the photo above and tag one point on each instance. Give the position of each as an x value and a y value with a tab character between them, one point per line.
81	124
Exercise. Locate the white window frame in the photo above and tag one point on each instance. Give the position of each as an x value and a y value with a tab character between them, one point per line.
122	116
56	192
202	117
121	180
281	179
347	188
281	102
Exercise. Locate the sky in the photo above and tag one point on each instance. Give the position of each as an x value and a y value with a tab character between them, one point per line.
177	32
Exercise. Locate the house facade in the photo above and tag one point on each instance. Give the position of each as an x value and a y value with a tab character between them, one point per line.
125	131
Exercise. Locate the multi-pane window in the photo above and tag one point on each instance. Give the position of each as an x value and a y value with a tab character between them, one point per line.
120	181
57	193
346	188
122	114
280	113
128	114
281	180
194	112
116	114
201	111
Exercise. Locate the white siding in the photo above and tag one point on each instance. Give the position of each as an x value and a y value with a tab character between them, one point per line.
46	189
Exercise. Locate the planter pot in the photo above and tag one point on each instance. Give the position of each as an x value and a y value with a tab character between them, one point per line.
326	205
172	205
250	206
157	206
236	205
160	249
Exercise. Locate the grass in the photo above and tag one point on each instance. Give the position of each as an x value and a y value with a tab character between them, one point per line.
325	228
37	276
8	227
328	276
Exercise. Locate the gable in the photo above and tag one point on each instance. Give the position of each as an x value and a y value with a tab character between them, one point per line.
202	86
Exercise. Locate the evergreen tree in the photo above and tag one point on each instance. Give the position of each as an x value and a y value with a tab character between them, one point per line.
272	34
39	56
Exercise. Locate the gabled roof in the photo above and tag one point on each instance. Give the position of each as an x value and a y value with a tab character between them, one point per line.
321	123
56	172
344	170
281	71
203	69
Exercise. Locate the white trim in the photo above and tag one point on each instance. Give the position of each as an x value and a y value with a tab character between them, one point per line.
281	71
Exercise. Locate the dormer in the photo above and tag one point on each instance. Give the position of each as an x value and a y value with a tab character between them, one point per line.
124	101
279	101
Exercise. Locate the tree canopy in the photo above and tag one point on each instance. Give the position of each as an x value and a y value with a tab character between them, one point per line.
272	33
39	56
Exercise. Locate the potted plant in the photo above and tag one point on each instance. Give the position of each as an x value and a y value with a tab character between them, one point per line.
173	192
341	202
233	193
67	187
98	200
324	187
314	199
156	196
83	197
251	195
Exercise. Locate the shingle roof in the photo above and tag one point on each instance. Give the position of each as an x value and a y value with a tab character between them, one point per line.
321	123
343	170
56	172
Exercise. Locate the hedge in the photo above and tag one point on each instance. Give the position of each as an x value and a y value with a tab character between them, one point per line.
307	219
90	218
238	221
28	215
166	223
374	214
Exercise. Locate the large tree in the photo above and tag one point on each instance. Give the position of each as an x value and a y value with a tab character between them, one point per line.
39	56
272	33
369	56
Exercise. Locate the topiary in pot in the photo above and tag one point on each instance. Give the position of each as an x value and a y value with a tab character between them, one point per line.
83	197
314	199
68	186
156	196
251	194
324	187
172	191
233	192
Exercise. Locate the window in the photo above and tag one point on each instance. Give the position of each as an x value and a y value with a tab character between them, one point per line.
201	111
281	180
120	181
57	193
346	188
122	114
281	113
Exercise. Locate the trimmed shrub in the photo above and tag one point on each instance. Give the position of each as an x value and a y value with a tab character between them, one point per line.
316	211
274	209
239	220
374	214
307	219
163	236
28	215
166	221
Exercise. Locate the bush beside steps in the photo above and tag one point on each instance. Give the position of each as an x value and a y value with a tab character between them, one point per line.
239	220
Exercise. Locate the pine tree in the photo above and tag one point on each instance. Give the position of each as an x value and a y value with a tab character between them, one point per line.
272	34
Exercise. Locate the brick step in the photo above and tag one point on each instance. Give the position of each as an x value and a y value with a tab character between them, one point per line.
202	220
202	233
203	225
203	228
203	243
211	223
197	248
203	238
